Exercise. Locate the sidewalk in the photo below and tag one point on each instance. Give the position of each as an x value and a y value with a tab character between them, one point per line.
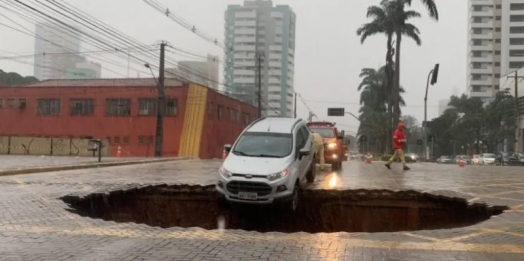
16	165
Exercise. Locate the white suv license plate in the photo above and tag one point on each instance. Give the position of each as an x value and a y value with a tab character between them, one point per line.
247	195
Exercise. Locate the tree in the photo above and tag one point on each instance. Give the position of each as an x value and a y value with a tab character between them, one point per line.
15	79
382	23
475	125
374	99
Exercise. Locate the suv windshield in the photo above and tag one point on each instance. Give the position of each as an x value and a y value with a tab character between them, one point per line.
262	144
489	156
325	133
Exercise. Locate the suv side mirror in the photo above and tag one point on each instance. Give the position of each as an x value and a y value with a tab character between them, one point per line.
227	148
304	152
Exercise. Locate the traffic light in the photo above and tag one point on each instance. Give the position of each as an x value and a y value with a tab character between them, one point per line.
434	76
336	112
431	138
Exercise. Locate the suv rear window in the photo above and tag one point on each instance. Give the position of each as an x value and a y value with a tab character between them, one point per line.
325	133
263	144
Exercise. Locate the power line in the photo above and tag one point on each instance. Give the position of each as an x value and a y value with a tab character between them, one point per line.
184	23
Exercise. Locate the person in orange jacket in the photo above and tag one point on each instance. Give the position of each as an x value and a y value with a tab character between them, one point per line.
399	139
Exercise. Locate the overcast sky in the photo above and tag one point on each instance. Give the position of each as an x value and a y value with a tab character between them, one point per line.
328	56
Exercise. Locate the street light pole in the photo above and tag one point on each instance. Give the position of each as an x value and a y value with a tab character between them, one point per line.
425	127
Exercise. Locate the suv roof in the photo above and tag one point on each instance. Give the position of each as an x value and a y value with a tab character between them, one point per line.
274	125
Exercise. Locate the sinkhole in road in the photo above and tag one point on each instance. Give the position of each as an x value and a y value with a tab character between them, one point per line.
319	211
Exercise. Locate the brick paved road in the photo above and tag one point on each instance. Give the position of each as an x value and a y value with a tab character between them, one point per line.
34	224
28	161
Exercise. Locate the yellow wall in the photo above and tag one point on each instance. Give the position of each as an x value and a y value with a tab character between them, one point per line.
193	121
47	146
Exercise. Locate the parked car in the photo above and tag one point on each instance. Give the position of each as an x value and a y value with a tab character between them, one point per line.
516	159
487	159
267	163
444	160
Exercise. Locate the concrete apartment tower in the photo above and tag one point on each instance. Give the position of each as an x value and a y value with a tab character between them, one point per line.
495	44
204	73
57	56
259	27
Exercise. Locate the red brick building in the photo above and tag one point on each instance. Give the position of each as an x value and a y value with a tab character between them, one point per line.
198	120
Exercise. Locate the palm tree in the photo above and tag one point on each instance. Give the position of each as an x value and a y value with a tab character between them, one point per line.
410	31
382	23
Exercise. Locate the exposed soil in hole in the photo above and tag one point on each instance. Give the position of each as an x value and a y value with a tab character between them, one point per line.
320	210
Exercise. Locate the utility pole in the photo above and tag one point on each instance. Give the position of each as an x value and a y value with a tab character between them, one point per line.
161	102
517	114
259	57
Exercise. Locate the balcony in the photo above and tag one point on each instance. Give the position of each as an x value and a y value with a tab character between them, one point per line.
488	24
484	70
482	59
485	13
484	47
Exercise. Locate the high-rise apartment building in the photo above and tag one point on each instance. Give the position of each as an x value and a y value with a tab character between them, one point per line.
496	43
56	54
257	28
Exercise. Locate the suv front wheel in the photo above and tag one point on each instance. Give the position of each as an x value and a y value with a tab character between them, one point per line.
312	172
292	202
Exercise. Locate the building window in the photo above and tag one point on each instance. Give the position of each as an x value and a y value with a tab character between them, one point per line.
498	29
11	102
172	107
516	65
497	40
498	18
82	106
108	139
118	107
516	7
1	102
116	140
22	102
146	106
498	6
48	106
125	140
475	88
145	140
220	108
232	115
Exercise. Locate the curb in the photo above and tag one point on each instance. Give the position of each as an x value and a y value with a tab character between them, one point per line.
10	172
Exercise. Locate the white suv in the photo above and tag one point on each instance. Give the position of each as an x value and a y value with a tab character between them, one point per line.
268	162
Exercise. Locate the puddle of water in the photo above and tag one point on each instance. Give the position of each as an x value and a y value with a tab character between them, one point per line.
320	210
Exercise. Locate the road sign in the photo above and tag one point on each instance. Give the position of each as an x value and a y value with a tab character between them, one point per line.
336	112
419	142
